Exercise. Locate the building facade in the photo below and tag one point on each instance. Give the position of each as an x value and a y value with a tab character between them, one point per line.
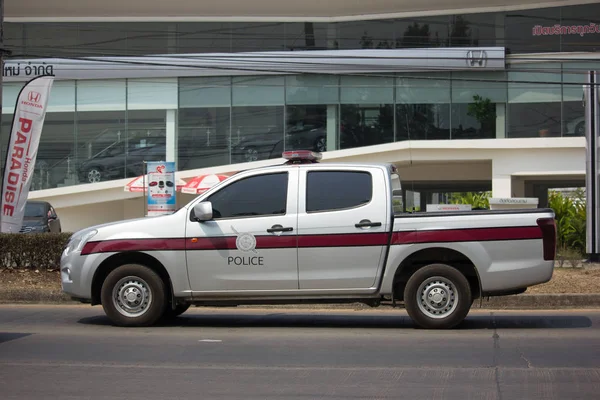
469	100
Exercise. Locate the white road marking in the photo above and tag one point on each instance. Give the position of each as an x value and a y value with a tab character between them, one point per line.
210	340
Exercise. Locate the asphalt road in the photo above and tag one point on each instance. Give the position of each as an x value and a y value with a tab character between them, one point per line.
72	352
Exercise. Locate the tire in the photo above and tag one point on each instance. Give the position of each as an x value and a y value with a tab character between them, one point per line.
179	309
138	281
436	282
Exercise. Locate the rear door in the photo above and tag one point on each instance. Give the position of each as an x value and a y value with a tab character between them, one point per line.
343	225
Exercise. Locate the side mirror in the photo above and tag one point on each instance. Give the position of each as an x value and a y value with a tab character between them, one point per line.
203	211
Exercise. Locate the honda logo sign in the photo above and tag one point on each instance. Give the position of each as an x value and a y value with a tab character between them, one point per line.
34	97
476	58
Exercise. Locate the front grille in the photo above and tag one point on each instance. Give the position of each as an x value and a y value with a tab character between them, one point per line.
26	229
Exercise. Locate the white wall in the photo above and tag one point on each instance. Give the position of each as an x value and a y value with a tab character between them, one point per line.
78	217
508	163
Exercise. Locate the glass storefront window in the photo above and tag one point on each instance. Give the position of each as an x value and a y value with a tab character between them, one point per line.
146	140
534	100
257	36
476	30
478	99
101	145
203	122
309	36
422	32
366	111
377	34
526	31
101	134
311	112
574	76
423	106
257	118
213	37
569	28
580	28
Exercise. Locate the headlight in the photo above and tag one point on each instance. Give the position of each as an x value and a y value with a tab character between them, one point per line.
79	240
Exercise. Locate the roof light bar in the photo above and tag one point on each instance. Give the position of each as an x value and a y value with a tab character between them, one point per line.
301	156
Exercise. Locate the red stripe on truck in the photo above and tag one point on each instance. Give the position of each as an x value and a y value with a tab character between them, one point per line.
468	235
344	240
308	241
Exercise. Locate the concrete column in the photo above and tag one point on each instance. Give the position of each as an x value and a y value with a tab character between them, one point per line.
501	185
171	140
518	187
332	127
500	120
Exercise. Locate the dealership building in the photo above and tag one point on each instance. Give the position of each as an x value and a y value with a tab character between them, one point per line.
468	98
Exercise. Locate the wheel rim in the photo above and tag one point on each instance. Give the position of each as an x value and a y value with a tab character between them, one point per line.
94	175
132	296
437	297
251	155
321	145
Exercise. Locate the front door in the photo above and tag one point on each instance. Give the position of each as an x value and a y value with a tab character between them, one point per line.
251	243
342	228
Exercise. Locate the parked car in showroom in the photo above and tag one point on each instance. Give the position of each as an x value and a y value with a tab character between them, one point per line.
575	127
271	144
116	163
40	217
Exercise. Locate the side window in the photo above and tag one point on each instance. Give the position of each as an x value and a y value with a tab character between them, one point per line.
253	196
336	190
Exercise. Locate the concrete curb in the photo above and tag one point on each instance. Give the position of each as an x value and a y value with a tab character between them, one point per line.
514	302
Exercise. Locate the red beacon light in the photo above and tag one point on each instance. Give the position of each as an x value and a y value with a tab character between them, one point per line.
301	157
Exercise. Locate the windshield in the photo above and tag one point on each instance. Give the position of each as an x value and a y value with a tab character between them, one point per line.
35	210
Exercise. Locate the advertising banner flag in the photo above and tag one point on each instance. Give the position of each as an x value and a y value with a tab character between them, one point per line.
28	120
161	188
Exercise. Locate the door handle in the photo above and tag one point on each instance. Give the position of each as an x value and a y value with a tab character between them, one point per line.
279	228
365	223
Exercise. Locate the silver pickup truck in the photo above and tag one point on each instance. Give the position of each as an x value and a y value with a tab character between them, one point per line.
308	232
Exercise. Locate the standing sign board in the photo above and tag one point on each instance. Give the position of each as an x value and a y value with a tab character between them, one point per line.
23	142
161	197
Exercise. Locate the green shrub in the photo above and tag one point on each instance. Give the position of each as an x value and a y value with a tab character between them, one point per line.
475	199
570	220
32	250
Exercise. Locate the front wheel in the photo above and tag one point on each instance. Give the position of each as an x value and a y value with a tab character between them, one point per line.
133	295
437	297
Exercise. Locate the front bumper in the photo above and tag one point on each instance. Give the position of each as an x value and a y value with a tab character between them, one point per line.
77	274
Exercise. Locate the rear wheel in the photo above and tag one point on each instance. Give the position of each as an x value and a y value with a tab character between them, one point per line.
133	295
437	297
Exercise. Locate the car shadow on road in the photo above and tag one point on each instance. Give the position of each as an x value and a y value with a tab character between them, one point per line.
8	336
300	320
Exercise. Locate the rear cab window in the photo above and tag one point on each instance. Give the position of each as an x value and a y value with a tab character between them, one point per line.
337	190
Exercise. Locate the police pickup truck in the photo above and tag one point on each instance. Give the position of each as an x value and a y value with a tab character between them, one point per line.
308	232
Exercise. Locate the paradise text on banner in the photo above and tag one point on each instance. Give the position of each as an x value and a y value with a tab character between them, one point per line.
161	188
28	120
